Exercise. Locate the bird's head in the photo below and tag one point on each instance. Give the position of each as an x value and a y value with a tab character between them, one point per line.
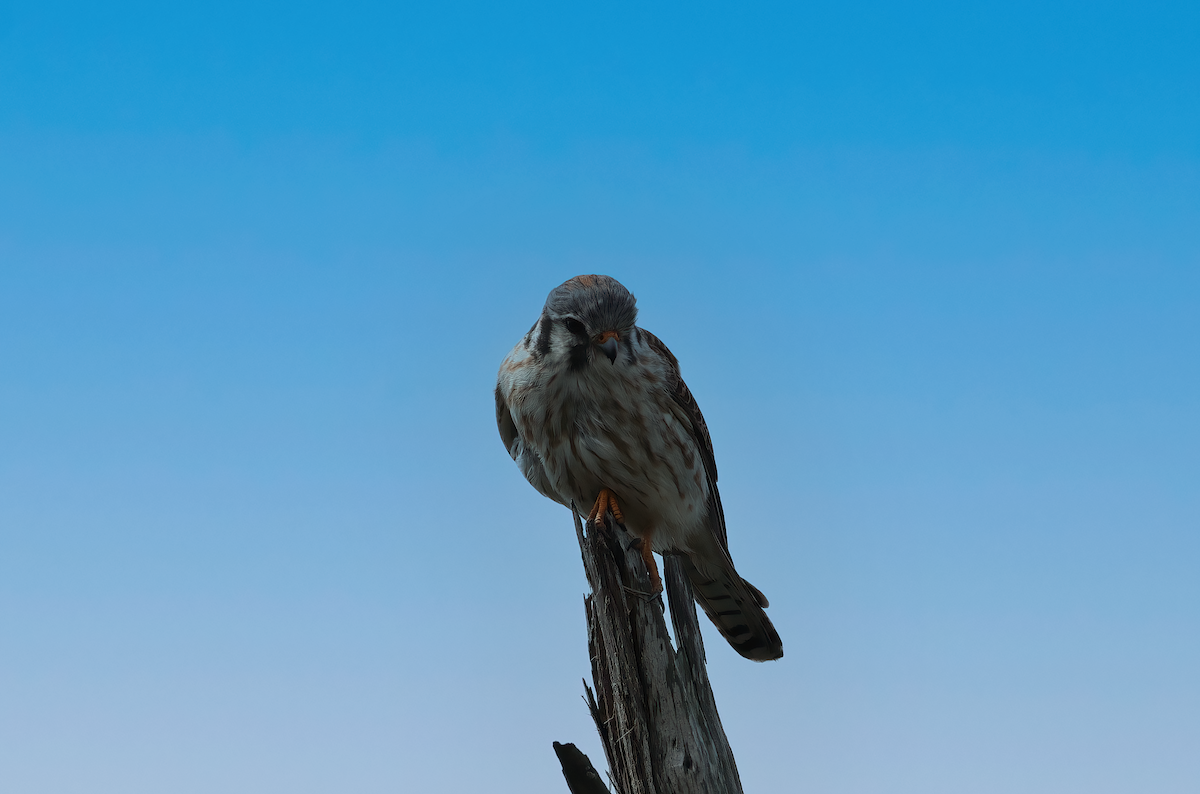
586	316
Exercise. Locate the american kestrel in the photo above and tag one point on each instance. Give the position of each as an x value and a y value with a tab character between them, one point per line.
594	411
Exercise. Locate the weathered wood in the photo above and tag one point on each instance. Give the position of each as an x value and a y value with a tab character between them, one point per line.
653	706
619	707
692	665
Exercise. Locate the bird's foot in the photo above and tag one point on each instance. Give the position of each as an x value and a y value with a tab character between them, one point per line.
643	545
605	502
652	569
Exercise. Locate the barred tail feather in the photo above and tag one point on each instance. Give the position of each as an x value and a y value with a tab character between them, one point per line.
736	608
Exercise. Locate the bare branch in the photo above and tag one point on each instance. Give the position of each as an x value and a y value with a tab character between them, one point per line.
653	705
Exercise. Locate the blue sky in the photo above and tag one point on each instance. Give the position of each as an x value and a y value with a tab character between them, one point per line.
932	272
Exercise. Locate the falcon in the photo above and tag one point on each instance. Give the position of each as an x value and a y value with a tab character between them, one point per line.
593	410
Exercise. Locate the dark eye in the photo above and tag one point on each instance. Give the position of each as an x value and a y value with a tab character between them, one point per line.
575	327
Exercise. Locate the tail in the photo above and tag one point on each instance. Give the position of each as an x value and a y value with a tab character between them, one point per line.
735	607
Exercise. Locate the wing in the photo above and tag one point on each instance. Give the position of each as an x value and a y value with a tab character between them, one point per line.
527	460
690	413
735	606
506	425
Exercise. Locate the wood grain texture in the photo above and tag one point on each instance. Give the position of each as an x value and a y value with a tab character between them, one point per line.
652	703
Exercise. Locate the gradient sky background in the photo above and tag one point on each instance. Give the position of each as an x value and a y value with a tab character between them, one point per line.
932	271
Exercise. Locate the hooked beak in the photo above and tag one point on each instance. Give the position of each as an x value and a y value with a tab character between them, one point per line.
608	343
